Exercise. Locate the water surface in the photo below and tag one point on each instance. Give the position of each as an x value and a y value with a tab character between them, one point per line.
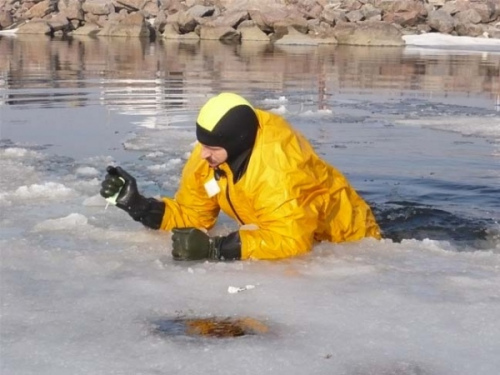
414	131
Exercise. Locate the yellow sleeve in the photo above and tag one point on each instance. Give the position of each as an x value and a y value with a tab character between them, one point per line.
191	206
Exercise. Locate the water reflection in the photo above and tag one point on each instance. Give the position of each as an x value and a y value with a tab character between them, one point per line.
135	75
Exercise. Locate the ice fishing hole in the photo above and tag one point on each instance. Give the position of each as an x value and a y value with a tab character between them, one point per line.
216	327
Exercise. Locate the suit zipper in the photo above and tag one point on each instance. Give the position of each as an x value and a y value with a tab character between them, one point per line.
231	204
218	174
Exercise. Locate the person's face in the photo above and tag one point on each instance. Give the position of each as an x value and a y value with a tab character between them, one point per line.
213	155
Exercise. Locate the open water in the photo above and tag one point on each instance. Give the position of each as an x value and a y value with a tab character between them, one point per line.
418	134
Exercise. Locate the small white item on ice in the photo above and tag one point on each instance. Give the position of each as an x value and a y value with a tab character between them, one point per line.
235	289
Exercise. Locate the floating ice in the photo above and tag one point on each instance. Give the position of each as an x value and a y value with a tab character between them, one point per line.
15	152
46	190
168	166
149	122
279	100
4	201
71	221
87	171
446	40
487	127
19	153
281	110
442	44
154	155
94	201
318	113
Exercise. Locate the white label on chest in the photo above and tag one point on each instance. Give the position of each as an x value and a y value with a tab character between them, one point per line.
212	188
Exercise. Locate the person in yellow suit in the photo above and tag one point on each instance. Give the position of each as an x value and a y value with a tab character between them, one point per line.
255	167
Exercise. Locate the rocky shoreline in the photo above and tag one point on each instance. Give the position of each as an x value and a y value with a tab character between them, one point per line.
304	22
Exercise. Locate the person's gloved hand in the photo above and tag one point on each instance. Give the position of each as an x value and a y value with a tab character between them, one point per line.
148	211
129	198
194	244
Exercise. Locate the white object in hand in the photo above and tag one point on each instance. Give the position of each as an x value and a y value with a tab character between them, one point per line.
113	198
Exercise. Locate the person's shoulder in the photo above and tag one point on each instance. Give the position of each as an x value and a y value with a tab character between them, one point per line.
195	165
270	118
274	127
282	148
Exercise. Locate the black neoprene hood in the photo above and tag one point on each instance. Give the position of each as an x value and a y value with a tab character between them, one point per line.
227	121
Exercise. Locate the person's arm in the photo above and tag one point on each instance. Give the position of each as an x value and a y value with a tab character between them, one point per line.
191	206
148	211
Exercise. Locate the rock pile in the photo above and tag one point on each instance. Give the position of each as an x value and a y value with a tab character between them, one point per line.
361	22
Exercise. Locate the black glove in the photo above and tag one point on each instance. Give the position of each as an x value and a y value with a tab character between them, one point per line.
149	211
194	244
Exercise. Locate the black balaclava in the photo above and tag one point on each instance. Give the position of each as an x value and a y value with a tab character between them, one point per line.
229	121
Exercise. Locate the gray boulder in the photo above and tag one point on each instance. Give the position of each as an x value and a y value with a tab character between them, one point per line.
222	33
35	26
322	30
267	16
59	22
40	9
131	5
371	13
151	9
453	7
467	16
198	11
98	7
469	29
5	19
132	25
228	19
355	16
441	21
486	9
89	29
294	37
372	33
409	18
171	33
183	21
71	9
250	32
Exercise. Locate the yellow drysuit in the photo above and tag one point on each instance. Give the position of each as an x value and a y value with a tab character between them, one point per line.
288	192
